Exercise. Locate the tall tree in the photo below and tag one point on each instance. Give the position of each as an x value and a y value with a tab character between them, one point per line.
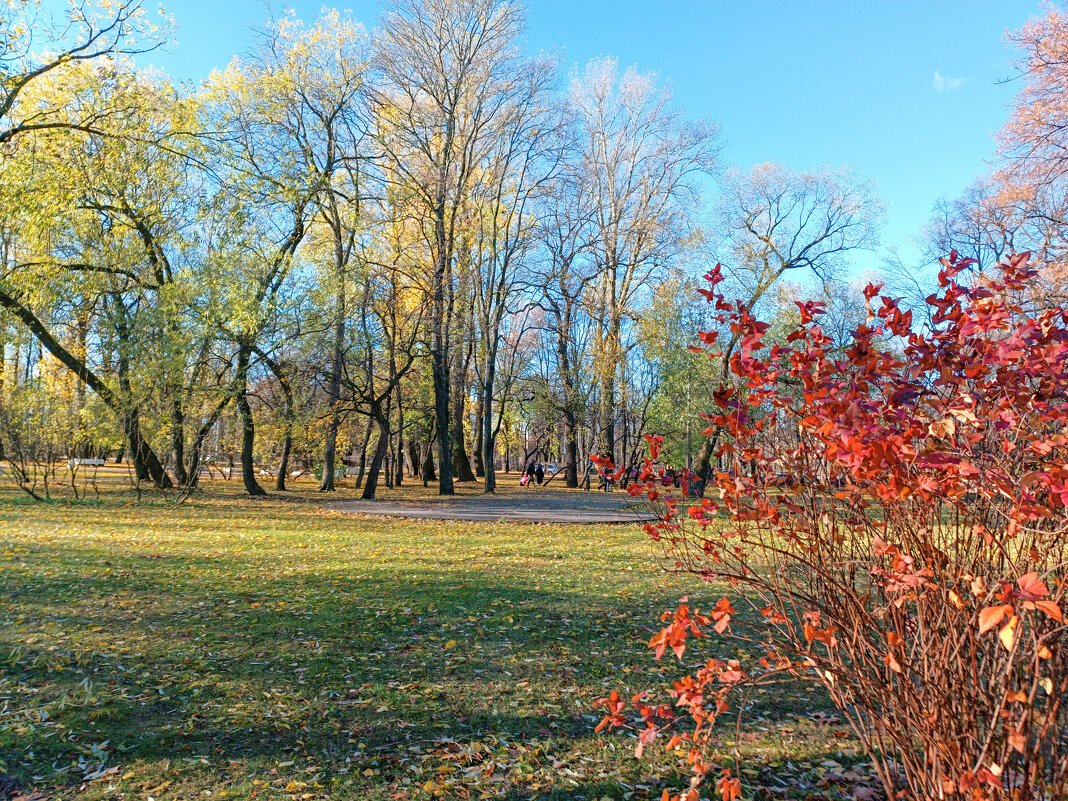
290	152
103	226
567	236
448	67
641	160
524	155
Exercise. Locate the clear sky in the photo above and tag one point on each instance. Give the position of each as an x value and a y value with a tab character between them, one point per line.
907	93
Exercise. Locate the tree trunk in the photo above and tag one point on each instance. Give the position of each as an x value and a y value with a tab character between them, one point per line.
440	361
570	423
178	441
489	443
398	478
607	445
248	429
461	462
489	433
146	465
427	465
363	454
480	435
333	390
376	460
570	449
414	466
283	462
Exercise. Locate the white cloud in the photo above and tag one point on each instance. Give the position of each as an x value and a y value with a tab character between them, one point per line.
943	83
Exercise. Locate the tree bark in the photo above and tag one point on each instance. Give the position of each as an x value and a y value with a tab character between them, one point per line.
248	429
178	441
333	388
363	454
570	421
440	367
376	461
480	435
398	478
461	462
414	466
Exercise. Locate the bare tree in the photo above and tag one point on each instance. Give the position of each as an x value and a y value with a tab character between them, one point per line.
524	155
567	235
642	161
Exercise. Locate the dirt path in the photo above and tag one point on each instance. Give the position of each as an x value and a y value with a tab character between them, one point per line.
535	506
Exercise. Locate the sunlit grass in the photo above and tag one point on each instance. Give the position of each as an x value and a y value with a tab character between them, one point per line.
237	648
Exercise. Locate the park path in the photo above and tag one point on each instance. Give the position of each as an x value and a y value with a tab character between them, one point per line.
535	506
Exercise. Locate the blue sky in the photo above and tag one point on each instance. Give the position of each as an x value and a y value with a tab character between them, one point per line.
907	93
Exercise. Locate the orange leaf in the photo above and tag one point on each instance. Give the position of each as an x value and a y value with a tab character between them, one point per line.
1051	609
991	616
942	428
1017	741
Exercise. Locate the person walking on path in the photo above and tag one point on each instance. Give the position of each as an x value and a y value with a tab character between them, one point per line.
530	474
539	473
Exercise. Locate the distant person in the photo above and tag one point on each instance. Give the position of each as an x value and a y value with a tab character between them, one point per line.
531	474
539	474
606	482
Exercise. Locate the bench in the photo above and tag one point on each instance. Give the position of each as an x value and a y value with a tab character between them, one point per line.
72	463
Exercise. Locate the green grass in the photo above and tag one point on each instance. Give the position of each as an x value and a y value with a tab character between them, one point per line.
231	648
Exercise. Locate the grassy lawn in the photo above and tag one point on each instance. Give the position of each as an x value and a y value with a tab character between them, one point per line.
230	648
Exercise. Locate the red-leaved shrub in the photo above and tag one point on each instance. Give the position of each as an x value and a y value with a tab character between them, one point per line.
895	517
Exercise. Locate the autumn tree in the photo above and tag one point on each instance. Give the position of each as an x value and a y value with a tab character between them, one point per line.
34	44
1023	202
100	229
291	152
641	159
450	69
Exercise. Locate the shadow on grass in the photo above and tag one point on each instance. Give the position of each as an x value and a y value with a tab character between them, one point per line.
125	659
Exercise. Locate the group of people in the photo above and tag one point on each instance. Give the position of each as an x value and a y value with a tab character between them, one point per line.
534	476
